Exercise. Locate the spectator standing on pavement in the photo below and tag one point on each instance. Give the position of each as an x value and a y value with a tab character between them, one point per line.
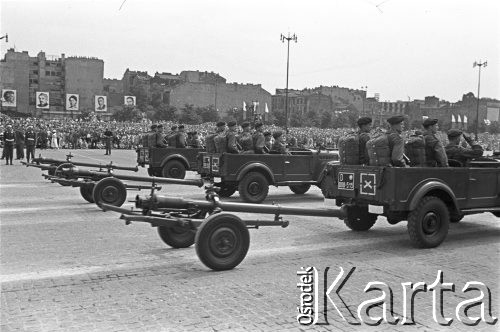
10	138
19	143
53	143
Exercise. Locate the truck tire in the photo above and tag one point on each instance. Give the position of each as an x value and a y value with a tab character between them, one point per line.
428	224
300	189
496	214
222	241
359	219
174	169
87	192
110	191
176	237
226	190
253	188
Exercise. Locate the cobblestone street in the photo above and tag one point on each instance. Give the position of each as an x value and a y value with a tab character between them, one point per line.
68	266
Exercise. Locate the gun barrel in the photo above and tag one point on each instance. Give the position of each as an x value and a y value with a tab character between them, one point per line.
188	182
160	201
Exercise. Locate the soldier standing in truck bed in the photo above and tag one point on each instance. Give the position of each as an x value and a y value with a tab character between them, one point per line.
160	138
220	139
396	142
171	136
258	139
180	138
152	136
365	126
279	145
231	137
245	139
456	152
435	155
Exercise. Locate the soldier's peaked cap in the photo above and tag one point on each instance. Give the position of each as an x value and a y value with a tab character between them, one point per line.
429	122
396	119
231	123
277	134
245	124
454	133
364	120
221	124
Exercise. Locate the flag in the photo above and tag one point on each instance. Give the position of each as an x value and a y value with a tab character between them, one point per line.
244	111
465	118
453	118
266	113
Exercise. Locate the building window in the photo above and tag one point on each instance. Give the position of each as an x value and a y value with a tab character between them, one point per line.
47	73
35	63
35	72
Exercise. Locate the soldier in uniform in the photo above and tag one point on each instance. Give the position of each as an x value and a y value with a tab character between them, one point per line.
210	141
365	126
180	138
159	141
145	136
30	143
231	137
396	143
268	143
279	145
220	138
258	139
245	139
10	137
152	136
19	143
108	139
435	155
456	152
171	137
196	141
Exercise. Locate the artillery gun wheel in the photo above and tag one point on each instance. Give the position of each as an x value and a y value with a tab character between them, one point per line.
226	190
300	189
222	241
176	237
254	187
174	169
359	219
110	191
87	192
428	224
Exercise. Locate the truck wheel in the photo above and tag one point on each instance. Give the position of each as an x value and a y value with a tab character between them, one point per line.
496	214
226	190
87	192
300	189
110	191
174	169
176	237
428	224
359	219
253	188
222	241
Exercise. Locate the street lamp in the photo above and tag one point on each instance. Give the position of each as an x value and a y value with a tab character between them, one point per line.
479	64
283	38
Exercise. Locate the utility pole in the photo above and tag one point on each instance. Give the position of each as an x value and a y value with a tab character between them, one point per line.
365	89
479	64
288	39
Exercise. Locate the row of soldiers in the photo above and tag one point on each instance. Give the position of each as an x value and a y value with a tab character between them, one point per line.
227	139
18	140
177	138
433	153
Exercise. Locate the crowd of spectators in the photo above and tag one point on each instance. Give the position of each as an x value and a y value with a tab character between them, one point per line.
75	134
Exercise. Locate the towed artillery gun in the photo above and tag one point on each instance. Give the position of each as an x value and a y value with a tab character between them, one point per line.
222	239
108	187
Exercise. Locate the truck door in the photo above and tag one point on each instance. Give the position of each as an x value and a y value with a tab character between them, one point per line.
298	168
484	186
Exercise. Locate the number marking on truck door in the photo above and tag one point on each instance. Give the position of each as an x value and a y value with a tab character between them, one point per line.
346	181
367	185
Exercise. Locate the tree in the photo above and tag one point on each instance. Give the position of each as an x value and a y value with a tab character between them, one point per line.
494	127
189	115
165	113
208	114
127	114
326	119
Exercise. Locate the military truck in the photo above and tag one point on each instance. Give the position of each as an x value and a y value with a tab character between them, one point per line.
168	162
428	198
251	174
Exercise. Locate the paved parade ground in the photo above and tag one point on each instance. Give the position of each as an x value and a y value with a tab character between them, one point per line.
68	266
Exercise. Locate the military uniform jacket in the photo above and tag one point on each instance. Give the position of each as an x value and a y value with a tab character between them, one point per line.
246	141
30	138
172	139
152	139
279	147
396	148
435	154
364	158
19	137
220	142
232	142
463	155
180	140
9	137
258	142
210	143
159	140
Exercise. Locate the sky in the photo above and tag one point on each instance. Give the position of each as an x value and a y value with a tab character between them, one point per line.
401	49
